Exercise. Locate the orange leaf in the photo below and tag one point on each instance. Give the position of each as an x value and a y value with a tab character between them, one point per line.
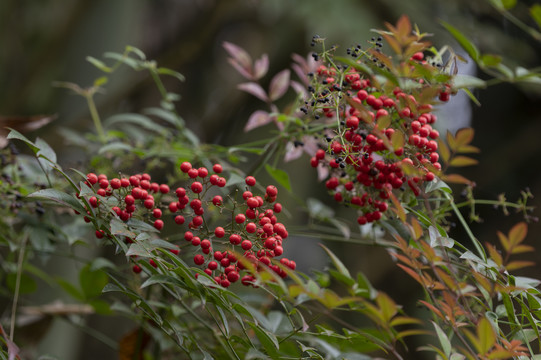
455	179
403	26
417	229
522	249
398	209
504	241
462	161
483	281
413	274
433	309
494	254
392	43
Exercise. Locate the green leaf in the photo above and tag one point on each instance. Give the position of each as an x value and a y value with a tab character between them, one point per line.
166	115
467	81
101	81
466	44
71	289
115	146
267	339
99	64
27	284
134	64
59	197
444	340
490	60
45	150
165	71
342	269
279	175
161	279
136	51
92	282
134	119
535	13
14	134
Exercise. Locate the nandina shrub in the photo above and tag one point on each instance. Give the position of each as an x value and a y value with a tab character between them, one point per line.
189	243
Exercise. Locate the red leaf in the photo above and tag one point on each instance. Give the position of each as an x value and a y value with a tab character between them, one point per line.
246	72
254	89
279	85
257	119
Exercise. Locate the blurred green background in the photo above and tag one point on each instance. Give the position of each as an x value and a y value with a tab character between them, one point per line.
48	40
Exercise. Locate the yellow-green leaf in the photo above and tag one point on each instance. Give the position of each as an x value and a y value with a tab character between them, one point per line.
444	151
462	161
517	234
464	136
515	265
485	335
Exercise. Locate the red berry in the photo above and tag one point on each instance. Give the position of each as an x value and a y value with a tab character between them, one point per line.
179	219
193	173
234	239
185	167
240	218
252	203
181	192
246	245
251	227
197	187
205	244
202	172
164	188
217	200
272	191
173	206
217	168
250	180
219	232
198	259
136	269
188	235
197	221
157	213
233	276
129	200
221	182
149	203
158	224
277	207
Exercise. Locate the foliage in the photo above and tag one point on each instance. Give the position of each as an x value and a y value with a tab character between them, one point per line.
366	121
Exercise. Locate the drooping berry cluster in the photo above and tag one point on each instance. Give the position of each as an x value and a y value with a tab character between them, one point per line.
381	137
248	227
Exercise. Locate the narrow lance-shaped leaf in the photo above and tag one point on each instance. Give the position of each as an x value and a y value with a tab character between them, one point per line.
466	44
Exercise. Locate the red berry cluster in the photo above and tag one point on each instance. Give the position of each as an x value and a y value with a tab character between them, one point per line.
383	138
132	193
253	234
